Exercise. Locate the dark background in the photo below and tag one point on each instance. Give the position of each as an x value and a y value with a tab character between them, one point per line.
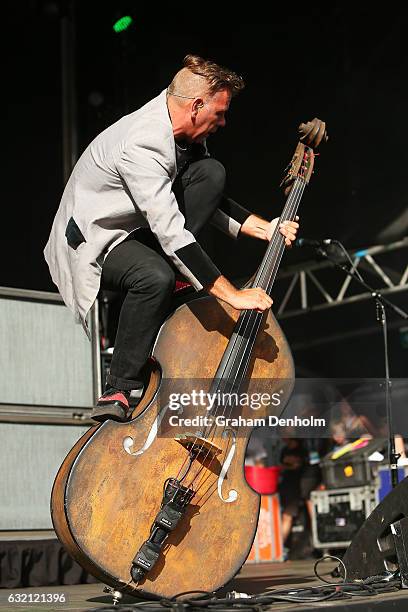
347	66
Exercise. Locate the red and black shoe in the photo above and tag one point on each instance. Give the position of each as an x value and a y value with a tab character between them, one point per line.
113	404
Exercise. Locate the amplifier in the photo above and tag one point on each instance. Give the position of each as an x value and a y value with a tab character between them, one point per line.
338	514
46	358
50	383
30	456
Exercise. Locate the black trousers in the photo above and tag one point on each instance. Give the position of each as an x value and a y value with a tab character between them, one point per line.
139	268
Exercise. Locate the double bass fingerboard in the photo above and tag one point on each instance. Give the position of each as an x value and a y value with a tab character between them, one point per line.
234	363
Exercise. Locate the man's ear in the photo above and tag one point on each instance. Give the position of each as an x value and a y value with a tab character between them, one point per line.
197	104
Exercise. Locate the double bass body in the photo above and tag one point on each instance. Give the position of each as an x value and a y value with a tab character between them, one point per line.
109	488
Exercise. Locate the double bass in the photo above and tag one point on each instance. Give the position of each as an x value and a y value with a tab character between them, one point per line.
156	513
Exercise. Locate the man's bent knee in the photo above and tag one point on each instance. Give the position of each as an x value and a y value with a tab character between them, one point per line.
211	171
159	278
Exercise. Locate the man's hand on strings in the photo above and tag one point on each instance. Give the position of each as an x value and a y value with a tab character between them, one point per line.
253	298
288	229
256	227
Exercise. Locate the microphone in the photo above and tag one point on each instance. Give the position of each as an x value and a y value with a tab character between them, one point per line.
301	242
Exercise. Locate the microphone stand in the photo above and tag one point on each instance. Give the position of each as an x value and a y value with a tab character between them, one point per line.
381	302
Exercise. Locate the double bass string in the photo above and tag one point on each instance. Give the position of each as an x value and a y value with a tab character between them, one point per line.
247	350
277	243
264	272
254	318
251	317
275	251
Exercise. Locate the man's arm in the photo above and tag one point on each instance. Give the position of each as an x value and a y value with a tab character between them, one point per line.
234	220
229	217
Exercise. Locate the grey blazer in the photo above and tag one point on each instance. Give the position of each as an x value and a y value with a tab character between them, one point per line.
123	181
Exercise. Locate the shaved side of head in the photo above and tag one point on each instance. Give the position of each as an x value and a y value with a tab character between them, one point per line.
188	84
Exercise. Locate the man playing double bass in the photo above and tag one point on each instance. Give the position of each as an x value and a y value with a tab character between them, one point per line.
131	211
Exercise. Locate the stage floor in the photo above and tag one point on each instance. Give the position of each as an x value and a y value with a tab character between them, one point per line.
253	578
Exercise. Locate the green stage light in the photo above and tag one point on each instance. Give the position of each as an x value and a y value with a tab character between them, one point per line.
122	24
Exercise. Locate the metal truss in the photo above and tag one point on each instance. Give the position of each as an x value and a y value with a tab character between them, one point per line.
311	286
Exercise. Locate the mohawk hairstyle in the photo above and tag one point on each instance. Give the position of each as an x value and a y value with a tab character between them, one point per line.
217	77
